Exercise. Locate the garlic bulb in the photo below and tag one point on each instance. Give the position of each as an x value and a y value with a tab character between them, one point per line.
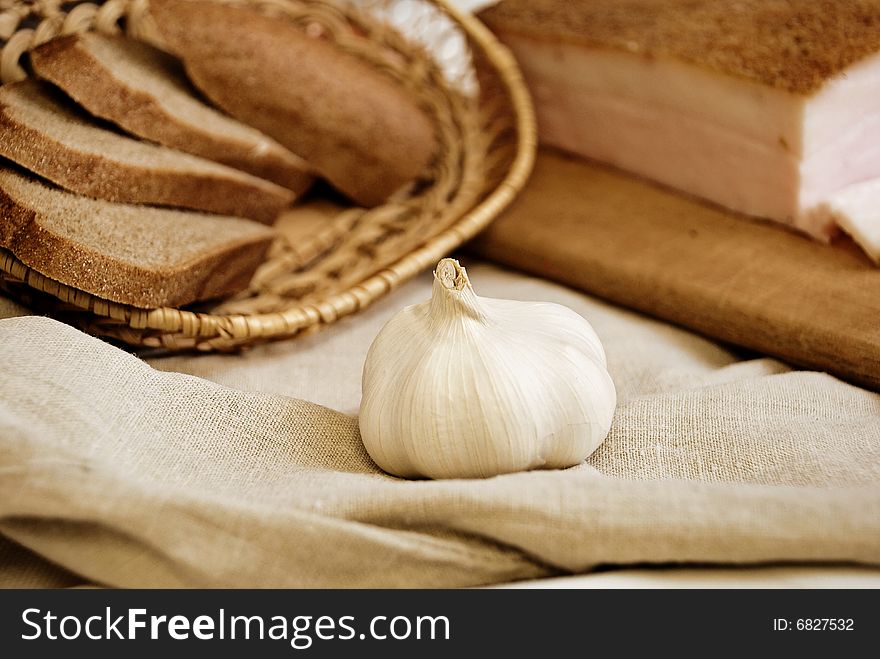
461	386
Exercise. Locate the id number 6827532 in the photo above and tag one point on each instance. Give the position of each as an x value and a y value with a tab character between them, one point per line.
813	624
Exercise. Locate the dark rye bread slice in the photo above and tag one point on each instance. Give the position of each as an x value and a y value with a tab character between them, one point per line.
359	129
143	90
40	132
145	257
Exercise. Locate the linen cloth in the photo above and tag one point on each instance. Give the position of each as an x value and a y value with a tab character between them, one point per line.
116	472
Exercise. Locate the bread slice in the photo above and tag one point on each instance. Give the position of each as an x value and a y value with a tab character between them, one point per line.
359	128
145	257
41	133
144	91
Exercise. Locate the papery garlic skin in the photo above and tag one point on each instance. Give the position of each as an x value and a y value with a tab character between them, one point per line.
461	386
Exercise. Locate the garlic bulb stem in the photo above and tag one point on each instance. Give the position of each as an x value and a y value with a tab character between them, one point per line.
453	296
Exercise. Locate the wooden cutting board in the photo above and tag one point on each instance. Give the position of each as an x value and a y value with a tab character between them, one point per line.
743	281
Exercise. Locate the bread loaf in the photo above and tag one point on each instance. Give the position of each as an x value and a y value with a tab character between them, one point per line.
144	91
145	257
41	132
359	128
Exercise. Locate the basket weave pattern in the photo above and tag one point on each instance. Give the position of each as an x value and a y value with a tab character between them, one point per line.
466	82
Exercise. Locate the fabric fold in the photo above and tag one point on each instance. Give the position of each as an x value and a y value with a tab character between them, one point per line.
128	476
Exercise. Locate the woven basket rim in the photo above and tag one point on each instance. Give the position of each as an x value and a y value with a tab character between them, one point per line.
288	322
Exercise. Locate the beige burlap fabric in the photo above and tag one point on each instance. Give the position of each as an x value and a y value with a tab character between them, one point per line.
126	475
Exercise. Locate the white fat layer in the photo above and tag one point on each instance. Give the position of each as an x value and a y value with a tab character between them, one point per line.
856	210
749	147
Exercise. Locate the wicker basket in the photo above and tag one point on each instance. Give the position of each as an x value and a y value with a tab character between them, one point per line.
461	75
